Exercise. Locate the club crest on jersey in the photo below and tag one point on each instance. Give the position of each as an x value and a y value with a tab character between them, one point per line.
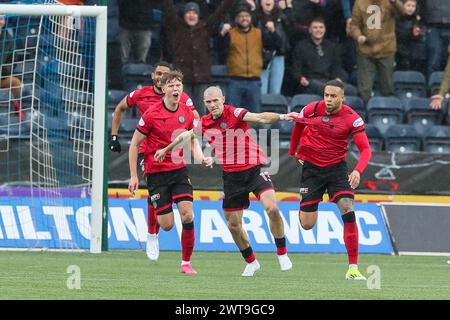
181	119
223	125
326	119
189	102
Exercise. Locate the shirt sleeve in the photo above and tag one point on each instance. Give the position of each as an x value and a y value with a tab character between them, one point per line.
357	125
306	112
365	152
144	124
239	113
187	101
132	98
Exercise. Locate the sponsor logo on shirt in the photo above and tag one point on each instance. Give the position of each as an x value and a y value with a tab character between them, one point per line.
303	190
237	112
141	122
132	94
358	122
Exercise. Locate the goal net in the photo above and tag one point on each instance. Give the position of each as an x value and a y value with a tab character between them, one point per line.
52	125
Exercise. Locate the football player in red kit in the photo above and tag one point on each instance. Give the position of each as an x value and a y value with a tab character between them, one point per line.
168	181
319	143
142	99
226	129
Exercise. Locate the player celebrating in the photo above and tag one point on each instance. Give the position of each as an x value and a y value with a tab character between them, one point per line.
241	163
168	181
144	98
322	130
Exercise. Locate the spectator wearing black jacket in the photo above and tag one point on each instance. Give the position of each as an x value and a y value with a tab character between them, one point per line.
436	16
317	60
191	39
135	18
411	47
304	12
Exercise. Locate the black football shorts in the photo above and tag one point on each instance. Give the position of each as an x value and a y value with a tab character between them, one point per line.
315	181
166	188
238	185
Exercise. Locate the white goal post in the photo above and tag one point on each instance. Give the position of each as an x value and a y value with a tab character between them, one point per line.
98	155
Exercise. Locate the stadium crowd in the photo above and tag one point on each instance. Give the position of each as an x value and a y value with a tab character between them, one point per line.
296	45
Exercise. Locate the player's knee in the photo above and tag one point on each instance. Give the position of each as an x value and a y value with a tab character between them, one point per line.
234	226
307	225
166	226
307	221
345	205
273	212
187	217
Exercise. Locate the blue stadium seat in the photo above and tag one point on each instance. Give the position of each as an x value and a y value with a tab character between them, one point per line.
384	112
113	29
301	100
285	133
434	82
136	76
115	96
436	139
402	138
219	77
109	117
375	139
357	104
408	84
274	103
127	126
420	115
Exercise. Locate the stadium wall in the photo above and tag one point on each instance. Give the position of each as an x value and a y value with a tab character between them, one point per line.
386	173
418	228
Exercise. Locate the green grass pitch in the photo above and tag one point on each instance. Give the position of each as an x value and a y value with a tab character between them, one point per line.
130	275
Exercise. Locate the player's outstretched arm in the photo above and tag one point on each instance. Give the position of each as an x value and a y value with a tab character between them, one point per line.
365	153
181	139
114	144
268	117
138	137
198	154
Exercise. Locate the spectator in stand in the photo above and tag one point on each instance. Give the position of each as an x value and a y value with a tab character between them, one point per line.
206	7
316	61
436	100
192	39
375	34
245	59
7	80
436	15
272	19
304	12
135	19
348	45
411	52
